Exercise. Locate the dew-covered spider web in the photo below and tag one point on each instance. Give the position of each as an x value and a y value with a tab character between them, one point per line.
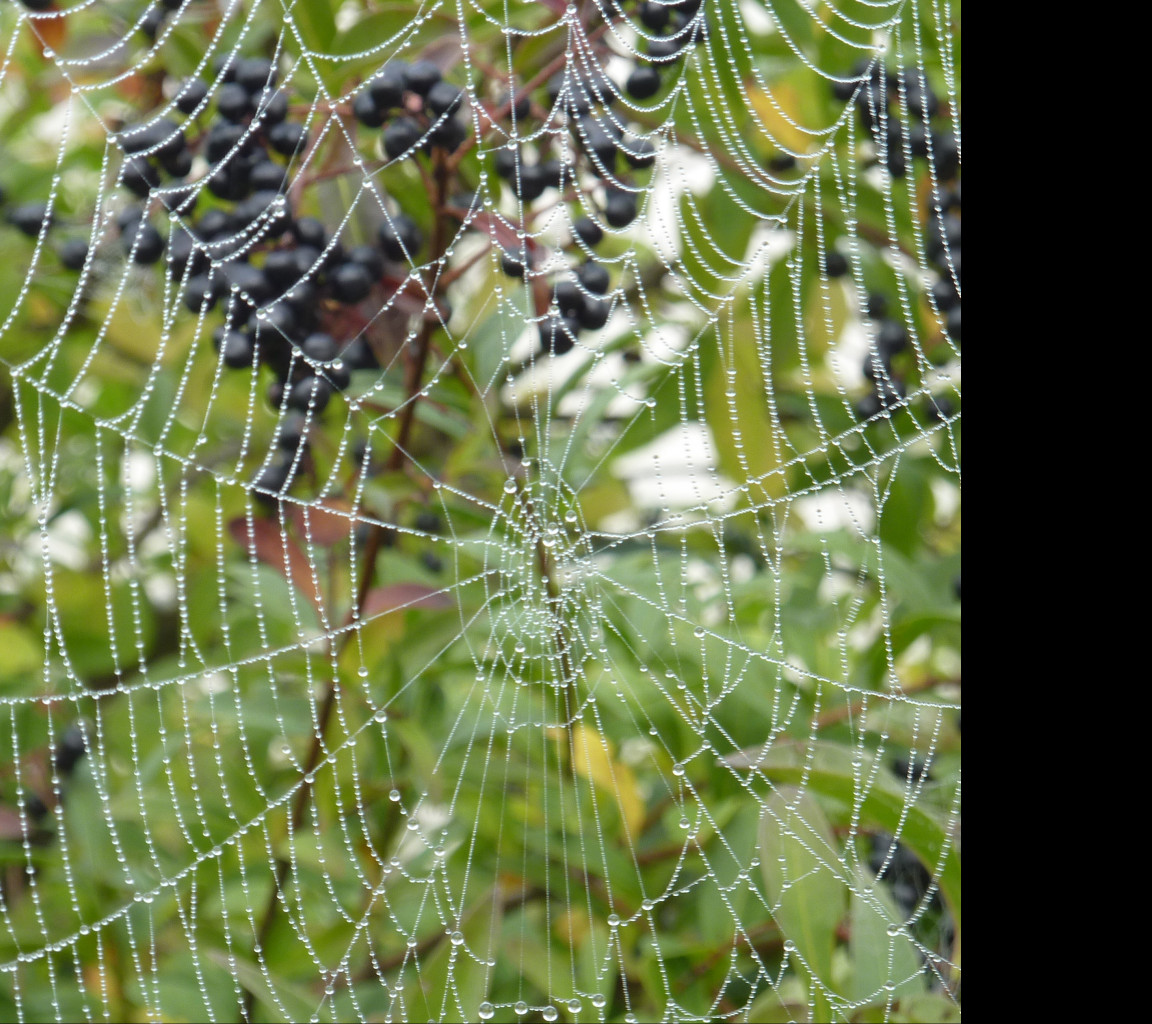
479	510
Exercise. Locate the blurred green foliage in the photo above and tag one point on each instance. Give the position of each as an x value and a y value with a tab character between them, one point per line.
655	787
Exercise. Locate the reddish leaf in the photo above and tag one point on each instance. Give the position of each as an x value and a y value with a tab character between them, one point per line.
273	547
396	596
502	232
328	522
12	827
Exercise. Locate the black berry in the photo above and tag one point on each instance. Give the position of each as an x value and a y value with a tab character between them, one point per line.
620	209
350	282
70	749
139	176
367	111
594	313
402	136
594	277
422	76
73	252
588	231
232	102
400	238
558	334
644	82
387	88
237	349
285	138
835	263
191	95
444	98
28	218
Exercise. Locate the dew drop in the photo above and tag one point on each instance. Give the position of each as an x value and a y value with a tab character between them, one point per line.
521	1008
549	1013
486	1011
457	938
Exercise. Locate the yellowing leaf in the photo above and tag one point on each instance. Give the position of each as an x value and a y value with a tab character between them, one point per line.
592	758
780	115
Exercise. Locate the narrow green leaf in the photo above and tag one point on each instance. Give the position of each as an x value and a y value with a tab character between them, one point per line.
881	954
455	978
803	877
316	21
829	769
299	1004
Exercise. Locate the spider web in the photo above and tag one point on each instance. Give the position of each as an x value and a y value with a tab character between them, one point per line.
579	640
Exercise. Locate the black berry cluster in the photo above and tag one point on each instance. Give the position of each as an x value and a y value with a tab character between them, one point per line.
286	286
602	153
943	234
416	107
889	339
898	109
30	218
667	29
70	749
222	165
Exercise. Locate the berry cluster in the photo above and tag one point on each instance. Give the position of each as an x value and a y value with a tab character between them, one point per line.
287	285
944	256
890	337
288	289
70	748
416	107
897	109
675	26
225	163
30	218
599	151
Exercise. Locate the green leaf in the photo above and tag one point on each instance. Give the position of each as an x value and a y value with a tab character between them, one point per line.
316	22
882	804
455	978
879	957
272	992
373	31
803	877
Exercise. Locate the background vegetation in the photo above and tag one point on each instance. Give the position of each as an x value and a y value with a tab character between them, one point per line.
453	717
